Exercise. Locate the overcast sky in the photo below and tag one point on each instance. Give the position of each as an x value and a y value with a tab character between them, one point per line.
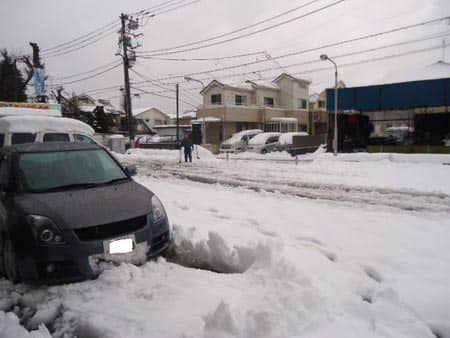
52	22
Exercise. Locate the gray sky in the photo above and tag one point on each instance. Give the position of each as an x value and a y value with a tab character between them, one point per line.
52	22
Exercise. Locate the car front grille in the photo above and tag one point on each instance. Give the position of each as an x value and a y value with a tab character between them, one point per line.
111	229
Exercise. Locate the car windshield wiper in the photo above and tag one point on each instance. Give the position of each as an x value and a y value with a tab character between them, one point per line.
115	180
66	187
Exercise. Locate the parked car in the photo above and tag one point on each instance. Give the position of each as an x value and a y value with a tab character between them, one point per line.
263	143
26	128
238	141
67	206
286	139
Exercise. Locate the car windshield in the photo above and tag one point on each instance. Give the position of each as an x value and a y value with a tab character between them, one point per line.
49	171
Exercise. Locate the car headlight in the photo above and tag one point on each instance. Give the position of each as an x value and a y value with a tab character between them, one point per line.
158	212
44	229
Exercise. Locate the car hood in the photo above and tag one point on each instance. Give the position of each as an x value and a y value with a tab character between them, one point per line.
74	209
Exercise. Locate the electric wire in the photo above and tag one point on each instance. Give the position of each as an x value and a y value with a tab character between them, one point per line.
234	31
87	72
252	33
91	76
334	44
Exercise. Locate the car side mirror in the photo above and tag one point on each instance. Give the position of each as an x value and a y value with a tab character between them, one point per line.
131	170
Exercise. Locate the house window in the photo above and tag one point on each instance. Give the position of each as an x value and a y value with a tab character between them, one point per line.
302	86
302	104
268	101
216	99
321	104
241	100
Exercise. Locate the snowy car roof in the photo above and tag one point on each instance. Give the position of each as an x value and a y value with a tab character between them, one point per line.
33	124
14	111
286	138
262	138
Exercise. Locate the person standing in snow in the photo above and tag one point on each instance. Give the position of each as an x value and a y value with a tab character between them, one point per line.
188	145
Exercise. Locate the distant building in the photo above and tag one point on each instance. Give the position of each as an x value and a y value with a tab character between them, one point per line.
280	105
318	115
151	116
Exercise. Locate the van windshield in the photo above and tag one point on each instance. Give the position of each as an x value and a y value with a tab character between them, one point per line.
53	171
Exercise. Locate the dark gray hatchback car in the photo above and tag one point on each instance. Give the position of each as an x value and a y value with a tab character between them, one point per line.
67	207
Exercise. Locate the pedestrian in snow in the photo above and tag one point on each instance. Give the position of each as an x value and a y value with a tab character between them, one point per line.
188	145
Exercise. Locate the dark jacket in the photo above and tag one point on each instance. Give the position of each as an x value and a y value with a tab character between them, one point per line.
187	144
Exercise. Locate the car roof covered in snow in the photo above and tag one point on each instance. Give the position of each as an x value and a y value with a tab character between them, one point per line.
286	138
14	111
34	124
262	138
38	147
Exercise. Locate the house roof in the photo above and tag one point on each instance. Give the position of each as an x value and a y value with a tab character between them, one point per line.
251	85
290	77
138	111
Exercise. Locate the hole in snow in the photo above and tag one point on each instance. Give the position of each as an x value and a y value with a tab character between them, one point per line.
213	254
373	274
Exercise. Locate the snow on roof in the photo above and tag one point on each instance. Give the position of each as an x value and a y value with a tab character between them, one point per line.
262	138
33	124
264	84
284	119
286	138
12	111
87	107
206	119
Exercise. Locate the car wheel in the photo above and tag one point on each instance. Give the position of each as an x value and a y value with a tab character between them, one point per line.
9	261
264	151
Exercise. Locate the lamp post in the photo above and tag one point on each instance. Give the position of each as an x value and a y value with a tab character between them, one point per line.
325	57
188	78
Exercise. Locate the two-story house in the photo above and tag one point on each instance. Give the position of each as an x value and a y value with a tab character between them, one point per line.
280	105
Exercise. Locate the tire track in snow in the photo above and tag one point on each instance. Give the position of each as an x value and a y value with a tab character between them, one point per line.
409	200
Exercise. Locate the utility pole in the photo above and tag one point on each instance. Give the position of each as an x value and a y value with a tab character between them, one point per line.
126	65
178	117
59	91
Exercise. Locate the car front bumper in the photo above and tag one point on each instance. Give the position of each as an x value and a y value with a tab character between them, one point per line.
79	260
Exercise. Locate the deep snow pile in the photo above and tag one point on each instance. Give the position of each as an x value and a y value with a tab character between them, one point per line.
253	263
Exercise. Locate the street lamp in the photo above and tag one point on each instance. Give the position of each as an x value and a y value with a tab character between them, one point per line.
325	57
188	78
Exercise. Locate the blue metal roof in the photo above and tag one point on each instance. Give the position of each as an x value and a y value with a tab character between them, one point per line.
415	94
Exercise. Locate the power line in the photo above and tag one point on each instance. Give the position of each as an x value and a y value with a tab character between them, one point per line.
164	96
234	31
77	47
202	59
255	32
146	11
334	44
91	76
86	72
105	27
177	7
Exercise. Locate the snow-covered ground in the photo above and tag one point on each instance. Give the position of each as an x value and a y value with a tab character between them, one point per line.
353	246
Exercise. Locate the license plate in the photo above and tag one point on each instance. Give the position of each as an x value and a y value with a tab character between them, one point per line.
124	245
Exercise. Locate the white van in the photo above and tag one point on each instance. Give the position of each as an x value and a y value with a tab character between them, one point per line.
238	142
28	128
263	143
285	140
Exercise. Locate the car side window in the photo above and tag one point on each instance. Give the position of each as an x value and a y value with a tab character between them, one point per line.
56	137
19	138
83	139
272	139
244	138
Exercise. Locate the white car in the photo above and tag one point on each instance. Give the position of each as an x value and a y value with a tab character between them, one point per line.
263	143
238	142
28	129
